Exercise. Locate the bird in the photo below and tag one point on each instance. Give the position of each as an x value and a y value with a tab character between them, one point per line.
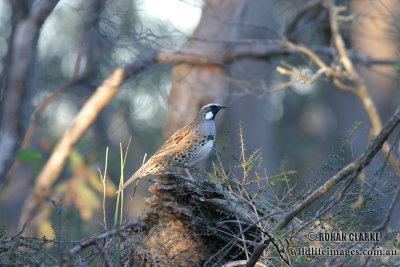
184	148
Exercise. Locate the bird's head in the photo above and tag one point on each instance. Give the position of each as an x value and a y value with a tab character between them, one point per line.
209	111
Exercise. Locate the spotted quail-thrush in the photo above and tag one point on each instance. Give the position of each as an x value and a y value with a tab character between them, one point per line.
184	148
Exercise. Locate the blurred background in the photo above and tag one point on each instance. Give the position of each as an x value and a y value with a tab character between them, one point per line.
297	128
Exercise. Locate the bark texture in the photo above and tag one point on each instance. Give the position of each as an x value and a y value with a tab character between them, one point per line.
186	223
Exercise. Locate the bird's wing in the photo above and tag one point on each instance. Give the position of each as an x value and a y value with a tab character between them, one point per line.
179	139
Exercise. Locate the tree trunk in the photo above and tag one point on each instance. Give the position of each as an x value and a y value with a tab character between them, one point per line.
196	85
192	87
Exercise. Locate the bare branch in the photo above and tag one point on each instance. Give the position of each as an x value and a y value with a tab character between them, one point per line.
360	89
100	237
34	125
354	167
346	79
83	120
263	50
338	40
261	246
362	59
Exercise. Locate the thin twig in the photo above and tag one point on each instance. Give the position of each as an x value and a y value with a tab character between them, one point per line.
225	249
83	120
360	89
261	246
103	181
100	237
107	262
389	212
354	167
86	116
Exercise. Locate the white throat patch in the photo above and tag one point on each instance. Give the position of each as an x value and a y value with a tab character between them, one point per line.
209	115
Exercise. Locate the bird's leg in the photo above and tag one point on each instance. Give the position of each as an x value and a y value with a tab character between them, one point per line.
188	174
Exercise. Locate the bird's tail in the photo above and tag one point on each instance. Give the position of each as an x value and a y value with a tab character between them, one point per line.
138	174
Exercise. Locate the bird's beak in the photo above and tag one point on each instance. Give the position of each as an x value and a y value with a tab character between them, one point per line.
221	107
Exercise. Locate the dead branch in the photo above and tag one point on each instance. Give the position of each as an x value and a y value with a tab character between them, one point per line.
181	57
338	40
83	120
357	58
262	245
17	86
86	116
257	253
102	96
100	237
354	168
194	209
359	87
214	201
108	89
206	212
258	49
222	252
34	125
346	78
106	258
239	50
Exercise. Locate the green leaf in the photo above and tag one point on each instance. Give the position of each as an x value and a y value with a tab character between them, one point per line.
28	155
